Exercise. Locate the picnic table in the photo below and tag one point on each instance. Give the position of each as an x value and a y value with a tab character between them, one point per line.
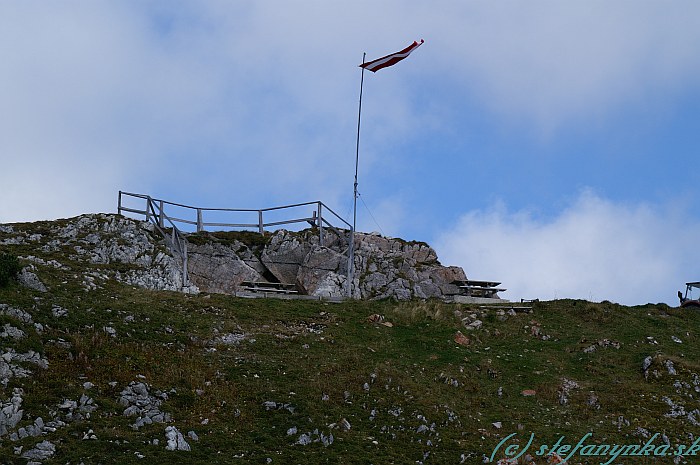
474	288
264	286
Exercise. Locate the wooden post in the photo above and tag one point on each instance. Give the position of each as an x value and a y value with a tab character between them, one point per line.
199	220
260	222
319	218
119	204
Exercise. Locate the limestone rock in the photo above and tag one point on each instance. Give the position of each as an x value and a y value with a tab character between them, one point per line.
15	313
10	412
284	255
384	267
41	451
175	440
28	278
139	402
105	239
218	268
9	331
323	272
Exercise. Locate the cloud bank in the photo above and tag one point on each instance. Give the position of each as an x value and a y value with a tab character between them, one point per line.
251	104
594	249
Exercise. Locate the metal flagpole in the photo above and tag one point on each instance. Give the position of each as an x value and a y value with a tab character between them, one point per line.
351	254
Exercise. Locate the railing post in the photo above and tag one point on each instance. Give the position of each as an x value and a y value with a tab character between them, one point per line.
148	209
261	228
320	224
199	220
185	277
119	204
160	215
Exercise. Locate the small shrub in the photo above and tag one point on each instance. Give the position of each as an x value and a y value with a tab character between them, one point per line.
9	267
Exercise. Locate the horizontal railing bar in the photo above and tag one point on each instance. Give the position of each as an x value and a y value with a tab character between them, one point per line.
140	196
289	206
233	225
277	223
166	202
182	221
336	215
141	212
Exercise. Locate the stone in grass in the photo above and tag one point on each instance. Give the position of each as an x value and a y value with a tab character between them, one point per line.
28	279
461	339
58	312
41	451
110	331
175	440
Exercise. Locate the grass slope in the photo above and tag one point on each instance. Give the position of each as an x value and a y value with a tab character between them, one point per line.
409	392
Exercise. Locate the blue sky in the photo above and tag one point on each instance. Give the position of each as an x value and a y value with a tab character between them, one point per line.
549	145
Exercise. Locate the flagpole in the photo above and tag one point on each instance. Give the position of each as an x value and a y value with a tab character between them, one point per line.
351	254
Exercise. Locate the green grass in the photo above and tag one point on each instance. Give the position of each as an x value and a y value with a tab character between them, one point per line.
308	354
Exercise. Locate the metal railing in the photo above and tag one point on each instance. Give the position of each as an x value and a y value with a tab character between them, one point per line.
154	211
175	239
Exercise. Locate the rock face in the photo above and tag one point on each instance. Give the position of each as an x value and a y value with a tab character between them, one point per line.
384	267
132	252
219	268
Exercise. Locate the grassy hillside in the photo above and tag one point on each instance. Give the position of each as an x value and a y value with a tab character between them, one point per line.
272	381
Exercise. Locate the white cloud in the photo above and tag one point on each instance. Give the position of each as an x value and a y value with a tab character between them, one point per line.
255	103
595	249
552	63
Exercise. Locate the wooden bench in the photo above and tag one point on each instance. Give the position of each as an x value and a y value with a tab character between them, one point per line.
264	286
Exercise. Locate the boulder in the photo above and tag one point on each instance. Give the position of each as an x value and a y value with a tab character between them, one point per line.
28	278
217	268
284	255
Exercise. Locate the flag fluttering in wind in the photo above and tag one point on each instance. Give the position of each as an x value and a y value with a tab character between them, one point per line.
389	60
374	66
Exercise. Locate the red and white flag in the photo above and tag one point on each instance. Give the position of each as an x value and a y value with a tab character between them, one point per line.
389	60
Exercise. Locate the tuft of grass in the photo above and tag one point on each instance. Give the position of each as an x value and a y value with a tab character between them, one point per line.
9	268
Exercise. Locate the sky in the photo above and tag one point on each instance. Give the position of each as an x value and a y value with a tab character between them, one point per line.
548	145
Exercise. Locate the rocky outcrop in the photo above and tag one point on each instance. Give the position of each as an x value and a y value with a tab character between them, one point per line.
137	254
132	252
218	268
395	268
384	267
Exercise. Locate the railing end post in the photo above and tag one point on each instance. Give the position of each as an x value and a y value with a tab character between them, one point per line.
319	218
